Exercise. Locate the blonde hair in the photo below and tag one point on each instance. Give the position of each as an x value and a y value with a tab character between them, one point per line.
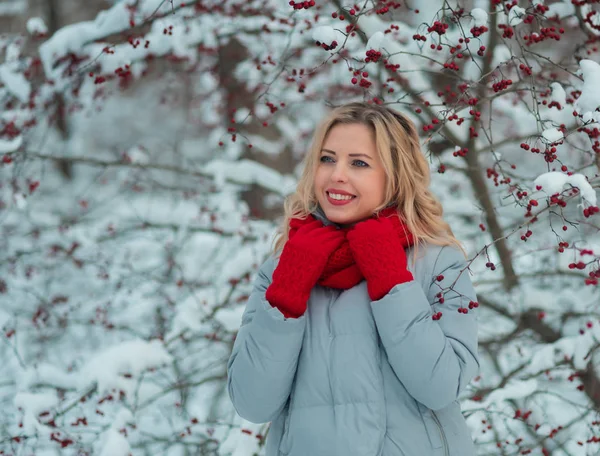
406	169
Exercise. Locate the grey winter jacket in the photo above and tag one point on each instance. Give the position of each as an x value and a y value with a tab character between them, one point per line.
353	377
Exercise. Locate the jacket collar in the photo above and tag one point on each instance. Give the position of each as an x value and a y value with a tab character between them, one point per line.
319	214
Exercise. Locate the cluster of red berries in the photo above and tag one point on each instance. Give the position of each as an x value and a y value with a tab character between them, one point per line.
373	56
550	156
589	211
521	194
328	47
501	85
519	414
392	27
418	37
555	200
55	436
544	34
436	316
10	130
478	31
593	277
438	27
526	236
532	203
508	30
302	5
393	67
525	69
123	72
365	83
553	104
460	152
476	114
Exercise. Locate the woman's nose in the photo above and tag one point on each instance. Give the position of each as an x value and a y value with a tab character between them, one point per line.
339	173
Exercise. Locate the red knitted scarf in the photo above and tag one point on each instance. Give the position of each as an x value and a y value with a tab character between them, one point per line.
341	271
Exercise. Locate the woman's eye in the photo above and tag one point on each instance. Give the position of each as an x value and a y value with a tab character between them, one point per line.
358	163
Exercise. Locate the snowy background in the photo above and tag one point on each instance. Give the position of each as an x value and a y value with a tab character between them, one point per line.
146	147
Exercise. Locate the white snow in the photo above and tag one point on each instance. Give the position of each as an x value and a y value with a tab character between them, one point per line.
20	201
480	17
376	42
15	83
558	94
138	155
248	172
31	405
576	348
589	99
107	368
501	54
45	373
554	182
11	145
326	34
114	444
552	135
35	403
5	317
513	390
36	25
516	15
561	9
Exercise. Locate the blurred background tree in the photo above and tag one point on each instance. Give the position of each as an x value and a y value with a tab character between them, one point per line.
146	147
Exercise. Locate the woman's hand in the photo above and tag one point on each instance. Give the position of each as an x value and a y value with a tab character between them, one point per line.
380	255
302	261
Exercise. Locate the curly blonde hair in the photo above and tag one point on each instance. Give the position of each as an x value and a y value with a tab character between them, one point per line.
406	169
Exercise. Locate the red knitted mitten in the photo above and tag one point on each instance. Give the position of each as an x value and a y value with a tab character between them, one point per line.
379	252
301	263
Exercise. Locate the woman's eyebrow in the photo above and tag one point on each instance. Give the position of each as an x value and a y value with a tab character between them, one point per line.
350	155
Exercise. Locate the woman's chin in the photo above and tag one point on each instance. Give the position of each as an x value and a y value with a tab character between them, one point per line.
340	219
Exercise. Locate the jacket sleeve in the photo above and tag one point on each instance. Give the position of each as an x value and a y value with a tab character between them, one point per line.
265	353
434	359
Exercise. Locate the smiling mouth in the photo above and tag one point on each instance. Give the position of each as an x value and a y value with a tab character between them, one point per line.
339	200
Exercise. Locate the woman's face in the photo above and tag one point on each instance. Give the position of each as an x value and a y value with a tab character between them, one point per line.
350	178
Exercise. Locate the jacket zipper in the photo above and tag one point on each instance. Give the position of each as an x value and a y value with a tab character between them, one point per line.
439	425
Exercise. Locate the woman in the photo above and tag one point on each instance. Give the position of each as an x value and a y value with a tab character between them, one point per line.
359	334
